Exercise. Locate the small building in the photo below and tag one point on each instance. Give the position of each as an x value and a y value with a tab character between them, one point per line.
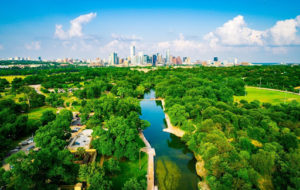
83	139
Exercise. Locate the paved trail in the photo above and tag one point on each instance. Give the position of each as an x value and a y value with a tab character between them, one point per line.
151	153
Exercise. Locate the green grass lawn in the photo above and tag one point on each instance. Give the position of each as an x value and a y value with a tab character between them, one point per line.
130	169
264	95
11	78
37	112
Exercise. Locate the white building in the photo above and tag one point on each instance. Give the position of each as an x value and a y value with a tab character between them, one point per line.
168	56
132	51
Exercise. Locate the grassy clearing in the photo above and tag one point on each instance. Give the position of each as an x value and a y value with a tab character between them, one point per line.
130	169
263	95
38	112
11	78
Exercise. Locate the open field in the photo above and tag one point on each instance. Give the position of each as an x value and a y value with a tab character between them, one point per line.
264	95
38	112
11	78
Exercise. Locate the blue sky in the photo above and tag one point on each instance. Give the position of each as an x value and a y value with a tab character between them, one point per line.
255	31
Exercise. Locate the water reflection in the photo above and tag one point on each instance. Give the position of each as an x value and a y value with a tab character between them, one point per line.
174	163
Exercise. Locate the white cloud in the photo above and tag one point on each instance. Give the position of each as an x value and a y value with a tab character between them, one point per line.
35	45
126	38
75	28
284	32
1	47
236	33
180	44
277	50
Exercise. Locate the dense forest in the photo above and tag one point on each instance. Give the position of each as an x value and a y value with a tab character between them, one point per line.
110	95
244	145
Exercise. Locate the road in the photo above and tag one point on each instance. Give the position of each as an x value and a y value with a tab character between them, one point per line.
6	166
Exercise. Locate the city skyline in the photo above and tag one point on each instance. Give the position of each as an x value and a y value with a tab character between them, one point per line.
258	32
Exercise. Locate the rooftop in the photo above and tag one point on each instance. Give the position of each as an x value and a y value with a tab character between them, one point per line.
83	139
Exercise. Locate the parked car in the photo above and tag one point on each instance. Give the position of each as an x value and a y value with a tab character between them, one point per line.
24	143
13	151
30	141
29	148
76	129
18	147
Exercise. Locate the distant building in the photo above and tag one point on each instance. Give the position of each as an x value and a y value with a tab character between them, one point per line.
216	59
140	58
154	60
168	56
114	58
132	51
235	61
178	60
188	61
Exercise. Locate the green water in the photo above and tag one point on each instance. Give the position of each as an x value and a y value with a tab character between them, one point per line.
174	163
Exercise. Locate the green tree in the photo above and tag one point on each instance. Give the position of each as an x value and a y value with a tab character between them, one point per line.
47	117
134	184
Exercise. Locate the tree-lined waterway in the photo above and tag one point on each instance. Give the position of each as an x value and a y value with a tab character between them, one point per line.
174	163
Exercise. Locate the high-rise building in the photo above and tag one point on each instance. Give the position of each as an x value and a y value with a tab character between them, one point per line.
168	56
113	58
145	59
159	58
154	60
178	60
216	59
132	51
140	58
235	61
188	60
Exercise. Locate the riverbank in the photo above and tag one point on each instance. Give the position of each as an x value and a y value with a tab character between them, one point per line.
200	169
170	128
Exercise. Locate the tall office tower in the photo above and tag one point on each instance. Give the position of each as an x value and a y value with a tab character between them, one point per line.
178	61
215	58
235	61
168	56
188	60
154	60
132	51
145	59
159	58
113	58
140	58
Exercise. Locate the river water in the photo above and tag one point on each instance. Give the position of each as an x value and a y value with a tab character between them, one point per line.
174	163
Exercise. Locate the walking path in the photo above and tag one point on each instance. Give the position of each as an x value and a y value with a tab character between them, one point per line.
151	153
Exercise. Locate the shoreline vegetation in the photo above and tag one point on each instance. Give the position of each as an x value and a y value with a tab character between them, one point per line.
199	167
170	128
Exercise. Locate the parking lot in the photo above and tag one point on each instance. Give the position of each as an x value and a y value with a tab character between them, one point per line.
28	144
